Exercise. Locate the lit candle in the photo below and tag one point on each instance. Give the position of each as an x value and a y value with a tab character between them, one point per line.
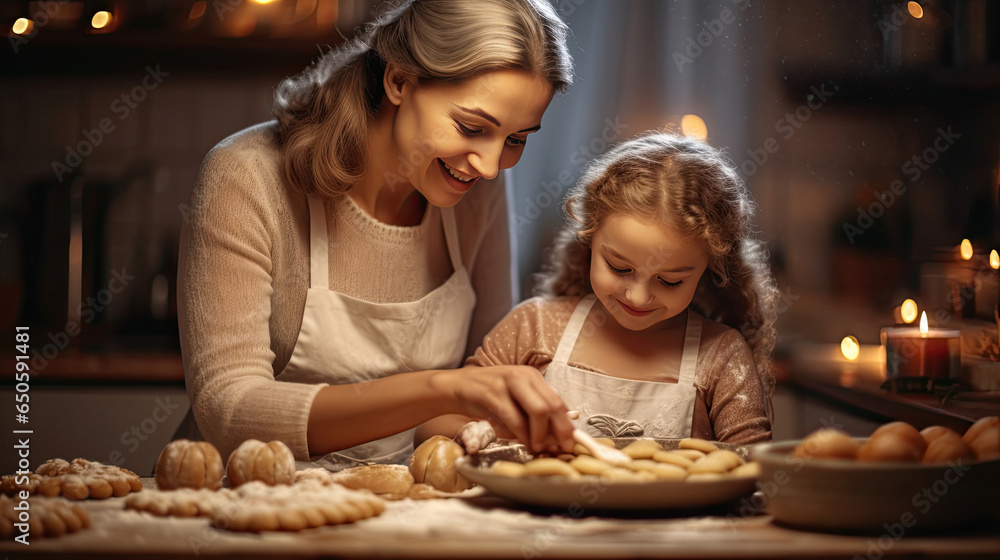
923	353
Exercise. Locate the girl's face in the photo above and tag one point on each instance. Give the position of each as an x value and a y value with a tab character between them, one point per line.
643	272
447	135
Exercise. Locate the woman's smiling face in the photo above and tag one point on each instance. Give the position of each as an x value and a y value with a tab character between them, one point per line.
643	272
449	134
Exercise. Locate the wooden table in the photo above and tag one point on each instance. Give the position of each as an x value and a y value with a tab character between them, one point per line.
478	525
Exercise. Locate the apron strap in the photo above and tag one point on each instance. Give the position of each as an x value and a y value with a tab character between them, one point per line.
692	341
451	238
573	329
319	245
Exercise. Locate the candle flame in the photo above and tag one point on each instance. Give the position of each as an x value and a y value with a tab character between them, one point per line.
966	249
908	311
850	348
915	9
923	323
994	259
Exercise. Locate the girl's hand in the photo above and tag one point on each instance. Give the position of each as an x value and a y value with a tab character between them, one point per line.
515	399
476	435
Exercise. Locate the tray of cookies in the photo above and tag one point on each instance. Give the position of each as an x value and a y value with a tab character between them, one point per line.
662	474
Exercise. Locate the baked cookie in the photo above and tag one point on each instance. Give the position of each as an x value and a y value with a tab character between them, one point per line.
271	463
650	462
189	464
49	517
78	479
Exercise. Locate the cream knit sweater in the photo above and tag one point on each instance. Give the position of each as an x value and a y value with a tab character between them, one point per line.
244	273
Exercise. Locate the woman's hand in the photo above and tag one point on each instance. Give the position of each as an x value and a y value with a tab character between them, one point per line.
515	399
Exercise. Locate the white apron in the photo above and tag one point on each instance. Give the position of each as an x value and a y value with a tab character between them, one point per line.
347	340
614	407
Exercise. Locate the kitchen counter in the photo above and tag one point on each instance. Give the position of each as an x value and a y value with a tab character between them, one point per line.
821	371
479	525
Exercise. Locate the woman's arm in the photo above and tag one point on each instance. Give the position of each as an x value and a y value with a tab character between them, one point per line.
224	303
515	340
512	396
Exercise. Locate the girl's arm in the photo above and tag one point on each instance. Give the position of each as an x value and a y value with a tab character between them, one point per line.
735	398
447	425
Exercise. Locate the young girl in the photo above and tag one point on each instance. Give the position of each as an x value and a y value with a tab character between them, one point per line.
656	318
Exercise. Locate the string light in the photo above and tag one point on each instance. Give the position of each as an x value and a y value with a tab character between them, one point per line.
22	26
101	19
694	126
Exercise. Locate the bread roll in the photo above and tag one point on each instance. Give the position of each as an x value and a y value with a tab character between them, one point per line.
433	463
271	463
189	464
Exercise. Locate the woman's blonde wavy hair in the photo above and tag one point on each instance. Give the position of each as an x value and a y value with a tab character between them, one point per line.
323	113
684	183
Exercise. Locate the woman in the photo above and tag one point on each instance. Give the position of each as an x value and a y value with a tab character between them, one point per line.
362	236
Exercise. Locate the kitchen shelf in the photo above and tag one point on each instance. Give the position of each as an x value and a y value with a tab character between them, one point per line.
937	86
72	366
116	53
